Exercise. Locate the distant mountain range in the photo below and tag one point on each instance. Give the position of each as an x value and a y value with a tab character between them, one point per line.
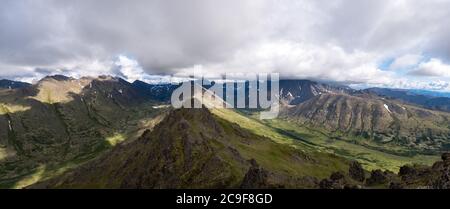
427	99
293	92
105	132
429	93
8	84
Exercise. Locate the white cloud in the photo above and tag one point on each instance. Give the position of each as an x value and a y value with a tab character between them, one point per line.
302	60
433	68
128	68
439	85
131	70
339	41
406	61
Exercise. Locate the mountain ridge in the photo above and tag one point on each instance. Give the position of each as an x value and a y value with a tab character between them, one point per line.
374	118
61	119
413	97
198	151
10	84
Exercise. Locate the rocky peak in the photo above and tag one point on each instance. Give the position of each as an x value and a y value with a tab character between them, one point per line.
57	78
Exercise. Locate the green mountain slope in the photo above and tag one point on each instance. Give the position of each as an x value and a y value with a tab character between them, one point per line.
62	121
192	148
60	132
382	121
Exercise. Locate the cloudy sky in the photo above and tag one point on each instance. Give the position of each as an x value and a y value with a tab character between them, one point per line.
394	43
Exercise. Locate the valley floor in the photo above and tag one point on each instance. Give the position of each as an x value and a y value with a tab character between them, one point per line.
371	155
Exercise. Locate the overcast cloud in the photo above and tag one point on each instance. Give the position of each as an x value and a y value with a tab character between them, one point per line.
394	43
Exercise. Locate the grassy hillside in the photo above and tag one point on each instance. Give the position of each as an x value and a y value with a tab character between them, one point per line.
370	155
375	119
310	140
192	148
61	122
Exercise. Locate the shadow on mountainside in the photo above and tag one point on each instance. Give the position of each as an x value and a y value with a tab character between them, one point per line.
40	139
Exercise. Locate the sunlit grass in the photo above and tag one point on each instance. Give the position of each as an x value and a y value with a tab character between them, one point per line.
317	141
46	172
12	108
370	158
3	153
251	124
43	173
31	179
114	140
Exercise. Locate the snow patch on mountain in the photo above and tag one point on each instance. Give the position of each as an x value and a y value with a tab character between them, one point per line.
387	108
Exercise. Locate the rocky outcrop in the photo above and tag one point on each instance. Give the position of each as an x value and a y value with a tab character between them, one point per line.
442	180
338	180
419	176
356	171
379	177
446	157
256	177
